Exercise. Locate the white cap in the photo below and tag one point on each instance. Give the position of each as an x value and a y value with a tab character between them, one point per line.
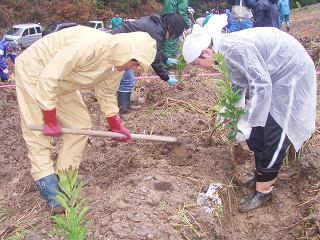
200	38
195	43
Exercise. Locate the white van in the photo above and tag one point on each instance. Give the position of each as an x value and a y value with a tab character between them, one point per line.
23	35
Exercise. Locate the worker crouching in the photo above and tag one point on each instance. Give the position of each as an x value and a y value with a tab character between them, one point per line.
49	75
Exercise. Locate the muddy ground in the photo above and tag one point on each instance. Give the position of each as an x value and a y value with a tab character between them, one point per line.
143	190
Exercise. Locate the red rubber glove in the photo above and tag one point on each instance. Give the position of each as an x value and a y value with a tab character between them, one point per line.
51	126
116	126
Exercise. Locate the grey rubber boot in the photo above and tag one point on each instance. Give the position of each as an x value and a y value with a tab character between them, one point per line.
255	200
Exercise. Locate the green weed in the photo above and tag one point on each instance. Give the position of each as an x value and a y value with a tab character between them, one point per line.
72	223
219	214
19	235
180	67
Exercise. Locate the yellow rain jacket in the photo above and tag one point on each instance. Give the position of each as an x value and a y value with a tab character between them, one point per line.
51	71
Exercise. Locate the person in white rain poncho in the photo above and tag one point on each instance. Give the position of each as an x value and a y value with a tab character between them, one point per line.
281	79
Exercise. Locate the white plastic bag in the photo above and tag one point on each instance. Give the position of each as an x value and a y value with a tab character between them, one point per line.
210	200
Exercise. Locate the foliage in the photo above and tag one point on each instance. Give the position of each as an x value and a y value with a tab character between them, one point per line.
45	12
308	2
79	11
180	67
302	3
72	222
132	8
228	99
202	6
181	64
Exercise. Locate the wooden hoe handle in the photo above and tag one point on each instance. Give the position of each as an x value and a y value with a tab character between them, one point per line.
97	133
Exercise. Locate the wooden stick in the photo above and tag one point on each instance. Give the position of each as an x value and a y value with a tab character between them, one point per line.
96	133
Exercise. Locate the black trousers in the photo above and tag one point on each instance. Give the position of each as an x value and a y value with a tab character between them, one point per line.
269	145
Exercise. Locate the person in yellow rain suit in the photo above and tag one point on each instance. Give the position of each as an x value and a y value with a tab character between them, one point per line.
49	75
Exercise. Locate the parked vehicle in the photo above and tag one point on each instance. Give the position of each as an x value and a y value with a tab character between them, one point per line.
23	35
57	26
97	25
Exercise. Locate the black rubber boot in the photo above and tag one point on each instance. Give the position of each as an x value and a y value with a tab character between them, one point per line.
251	183
124	102
288	29
256	200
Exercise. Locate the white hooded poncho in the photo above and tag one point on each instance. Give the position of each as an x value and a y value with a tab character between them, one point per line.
274	67
280	76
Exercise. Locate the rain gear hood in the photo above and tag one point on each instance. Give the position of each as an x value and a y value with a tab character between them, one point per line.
124	50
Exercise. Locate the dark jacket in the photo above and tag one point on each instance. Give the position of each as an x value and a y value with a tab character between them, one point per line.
155	27
266	14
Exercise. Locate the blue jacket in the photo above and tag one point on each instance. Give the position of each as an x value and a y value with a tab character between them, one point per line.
4	53
283	7
266	14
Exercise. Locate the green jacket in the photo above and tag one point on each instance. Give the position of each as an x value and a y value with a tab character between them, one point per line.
115	22
177	6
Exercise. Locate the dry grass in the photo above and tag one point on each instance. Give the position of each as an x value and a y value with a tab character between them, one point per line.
187	226
17	225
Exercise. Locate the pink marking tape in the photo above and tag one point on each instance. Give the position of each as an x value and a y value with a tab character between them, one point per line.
148	77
